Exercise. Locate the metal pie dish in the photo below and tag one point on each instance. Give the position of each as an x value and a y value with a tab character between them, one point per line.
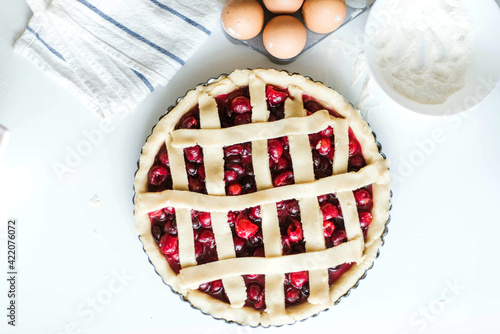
347	293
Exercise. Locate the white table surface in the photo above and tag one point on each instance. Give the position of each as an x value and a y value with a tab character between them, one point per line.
81	268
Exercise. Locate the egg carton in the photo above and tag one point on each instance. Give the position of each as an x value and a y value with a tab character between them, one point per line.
313	38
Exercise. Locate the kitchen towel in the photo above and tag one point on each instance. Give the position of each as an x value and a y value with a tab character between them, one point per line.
111	54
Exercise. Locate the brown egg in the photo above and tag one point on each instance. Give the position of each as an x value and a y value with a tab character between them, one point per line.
242	19
323	16
283	6
284	36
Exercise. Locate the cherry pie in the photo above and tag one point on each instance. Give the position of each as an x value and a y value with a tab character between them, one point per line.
261	197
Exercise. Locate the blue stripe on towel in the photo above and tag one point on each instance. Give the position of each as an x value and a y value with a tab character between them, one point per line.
143	78
51	49
185	18
60	56
130	32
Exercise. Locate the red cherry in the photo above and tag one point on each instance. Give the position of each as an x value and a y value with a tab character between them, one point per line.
323	198
328	228
230	175
245	228
285	244
271	163
284	140
237	168
335	272
294	231
243	118
259	304
326	132
338	237
158	214
282	164
313	138
192	168
292	296
254	292
275	148
312	106
157	175
207	237
170	227
329	211
330	154
255	212
156	232
234	189
239	244
298	279
194	213
241	105
357	161
274	96
292	207
201	171
216	286
362	197
321	162
233	159
280	205
283	178
168	244
365	219
231	217
196	184
205	219
189	123
175	256
233	150
247	164
353	146
163	156
198	249
323	145
193	154
246	149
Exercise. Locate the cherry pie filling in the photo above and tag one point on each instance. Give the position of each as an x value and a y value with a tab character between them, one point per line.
235	109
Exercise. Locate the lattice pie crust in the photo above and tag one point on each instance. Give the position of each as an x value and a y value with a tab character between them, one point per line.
296	125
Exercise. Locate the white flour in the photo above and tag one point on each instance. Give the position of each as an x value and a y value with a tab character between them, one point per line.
425	50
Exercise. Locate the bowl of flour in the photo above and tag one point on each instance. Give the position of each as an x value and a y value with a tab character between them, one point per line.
436	57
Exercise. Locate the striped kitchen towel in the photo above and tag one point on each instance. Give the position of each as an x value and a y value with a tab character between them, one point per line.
111	54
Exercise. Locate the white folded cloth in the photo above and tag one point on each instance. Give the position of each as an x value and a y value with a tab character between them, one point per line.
112	54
